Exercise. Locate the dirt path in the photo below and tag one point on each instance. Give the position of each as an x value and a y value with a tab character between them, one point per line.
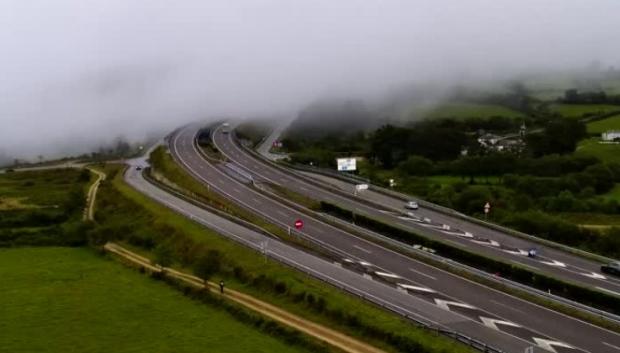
92	195
335	338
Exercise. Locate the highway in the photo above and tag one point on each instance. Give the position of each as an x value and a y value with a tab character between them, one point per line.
476	303
468	235
339	275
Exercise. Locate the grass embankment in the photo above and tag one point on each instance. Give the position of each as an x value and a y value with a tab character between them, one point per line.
600	126
43	207
605	152
255	130
151	225
166	170
72	300
578	111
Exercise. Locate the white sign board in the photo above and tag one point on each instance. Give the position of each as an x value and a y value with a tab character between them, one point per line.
346	164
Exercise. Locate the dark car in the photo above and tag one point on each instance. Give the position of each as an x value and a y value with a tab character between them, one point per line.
139	168
612	268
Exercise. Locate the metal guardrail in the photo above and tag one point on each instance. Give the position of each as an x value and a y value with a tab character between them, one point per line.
450	212
472	342
472	270
445	210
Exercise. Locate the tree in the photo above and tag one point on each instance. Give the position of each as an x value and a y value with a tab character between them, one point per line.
208	264
416	165
163	255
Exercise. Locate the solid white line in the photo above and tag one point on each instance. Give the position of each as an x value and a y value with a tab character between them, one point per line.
418	262
281	213
608	291
423	274
610	345
506	306
362	249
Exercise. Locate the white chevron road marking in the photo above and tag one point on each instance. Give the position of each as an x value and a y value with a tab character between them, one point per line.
554	263
445	304
492	323
594	275
549	344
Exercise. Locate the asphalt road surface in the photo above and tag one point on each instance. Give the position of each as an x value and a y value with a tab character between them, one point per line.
477	304
473	237
340	275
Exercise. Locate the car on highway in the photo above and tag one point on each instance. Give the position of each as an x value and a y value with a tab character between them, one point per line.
138	167
412	205
612	268
226	128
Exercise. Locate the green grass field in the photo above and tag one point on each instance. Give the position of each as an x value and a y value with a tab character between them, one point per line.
40	189
600	126
470	110
72	300
604	152
577	111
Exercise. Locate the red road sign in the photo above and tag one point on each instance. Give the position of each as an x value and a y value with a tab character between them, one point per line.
299	224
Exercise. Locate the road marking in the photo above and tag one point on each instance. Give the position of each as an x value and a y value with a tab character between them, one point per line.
387	274
548	344
445	304
506	306
422	274
282	213
362	249
237	190
610	345
416	288
608	291
256	200
554	263
594	275
492	323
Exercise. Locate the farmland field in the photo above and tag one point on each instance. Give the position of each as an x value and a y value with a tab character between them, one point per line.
604	152
600	126
577	111
71	300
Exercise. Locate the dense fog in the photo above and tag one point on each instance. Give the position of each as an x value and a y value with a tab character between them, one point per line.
79	74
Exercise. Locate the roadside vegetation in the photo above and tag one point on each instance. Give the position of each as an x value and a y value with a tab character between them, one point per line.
43	207
181	243
255	130
540	172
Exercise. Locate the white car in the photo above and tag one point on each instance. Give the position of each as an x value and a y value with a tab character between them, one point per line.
412	205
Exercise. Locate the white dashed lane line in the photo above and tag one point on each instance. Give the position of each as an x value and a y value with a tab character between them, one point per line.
362	249
611	345
423	274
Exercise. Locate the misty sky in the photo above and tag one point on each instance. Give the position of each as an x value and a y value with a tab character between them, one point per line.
78	73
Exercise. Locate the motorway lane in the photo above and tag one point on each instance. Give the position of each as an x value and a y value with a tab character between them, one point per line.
478	303
554	262
374	291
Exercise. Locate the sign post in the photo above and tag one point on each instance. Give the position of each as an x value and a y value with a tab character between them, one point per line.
487	208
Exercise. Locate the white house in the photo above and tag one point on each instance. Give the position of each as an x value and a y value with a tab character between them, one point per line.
611	135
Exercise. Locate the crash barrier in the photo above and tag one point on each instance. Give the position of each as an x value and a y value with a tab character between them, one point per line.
596	299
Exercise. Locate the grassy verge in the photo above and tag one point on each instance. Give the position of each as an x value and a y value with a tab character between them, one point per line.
151	225
577	111
255	130
294	196
70	299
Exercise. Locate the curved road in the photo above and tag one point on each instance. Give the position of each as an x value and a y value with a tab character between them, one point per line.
477	304
474	237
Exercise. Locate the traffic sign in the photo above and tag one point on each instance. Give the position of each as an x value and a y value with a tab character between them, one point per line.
487	207
299	224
